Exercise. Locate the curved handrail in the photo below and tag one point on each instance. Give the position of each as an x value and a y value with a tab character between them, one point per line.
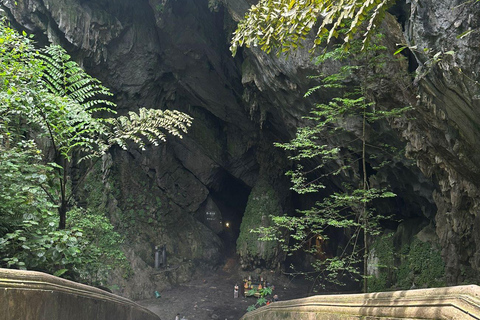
461	302
36	295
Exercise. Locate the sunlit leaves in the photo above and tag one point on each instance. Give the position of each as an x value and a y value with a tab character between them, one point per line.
149	125
75	124
285	24
276	23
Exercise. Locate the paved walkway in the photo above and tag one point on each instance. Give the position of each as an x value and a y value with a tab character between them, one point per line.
211	297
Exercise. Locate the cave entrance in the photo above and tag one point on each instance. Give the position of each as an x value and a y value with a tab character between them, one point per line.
230	195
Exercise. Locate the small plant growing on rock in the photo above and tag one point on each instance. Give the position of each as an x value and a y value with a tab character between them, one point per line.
262	300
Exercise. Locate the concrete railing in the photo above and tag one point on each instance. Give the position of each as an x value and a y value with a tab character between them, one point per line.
29	295
461	302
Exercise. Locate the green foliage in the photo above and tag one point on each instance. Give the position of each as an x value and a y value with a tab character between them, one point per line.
27	238
37	244
86	251
64	78
59	100
262	294
339	211
149	124
351	207
100	250
284	24
21	173
74	126
418	264
19	74
421	265
46	95
384	250
21	170
84	130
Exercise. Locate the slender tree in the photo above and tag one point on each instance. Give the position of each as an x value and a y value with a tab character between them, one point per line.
70	119
346	157
282	26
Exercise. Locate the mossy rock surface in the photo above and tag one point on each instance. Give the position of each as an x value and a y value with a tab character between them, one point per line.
414	264
263	202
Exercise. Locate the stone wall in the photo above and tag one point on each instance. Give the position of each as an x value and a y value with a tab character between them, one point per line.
440	303
29	295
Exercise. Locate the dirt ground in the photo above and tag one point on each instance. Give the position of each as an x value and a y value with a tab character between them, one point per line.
210	296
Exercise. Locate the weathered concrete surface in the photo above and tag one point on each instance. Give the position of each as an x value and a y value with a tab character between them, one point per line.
462	302
29	295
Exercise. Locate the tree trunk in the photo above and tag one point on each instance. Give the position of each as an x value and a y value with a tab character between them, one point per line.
365	218
62	212
62	209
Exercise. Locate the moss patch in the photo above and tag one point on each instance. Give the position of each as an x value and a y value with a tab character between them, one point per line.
422	265
418	263
262	203
383	250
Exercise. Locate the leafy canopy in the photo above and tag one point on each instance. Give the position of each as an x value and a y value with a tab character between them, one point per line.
65	106
284	24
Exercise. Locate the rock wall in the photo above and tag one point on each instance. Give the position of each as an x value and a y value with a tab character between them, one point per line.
445	135
263	203
174	54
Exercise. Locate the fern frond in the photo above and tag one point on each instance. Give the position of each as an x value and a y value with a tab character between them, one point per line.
149	125
78	96
65	78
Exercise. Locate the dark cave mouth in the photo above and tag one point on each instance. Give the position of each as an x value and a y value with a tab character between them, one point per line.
230	196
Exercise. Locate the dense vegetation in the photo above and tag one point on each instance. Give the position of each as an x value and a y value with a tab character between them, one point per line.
338	142
52	118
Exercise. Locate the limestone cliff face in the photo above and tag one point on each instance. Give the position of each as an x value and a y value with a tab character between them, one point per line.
444	139
174	54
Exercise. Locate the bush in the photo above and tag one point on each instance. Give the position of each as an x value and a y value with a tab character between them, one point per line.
100	248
